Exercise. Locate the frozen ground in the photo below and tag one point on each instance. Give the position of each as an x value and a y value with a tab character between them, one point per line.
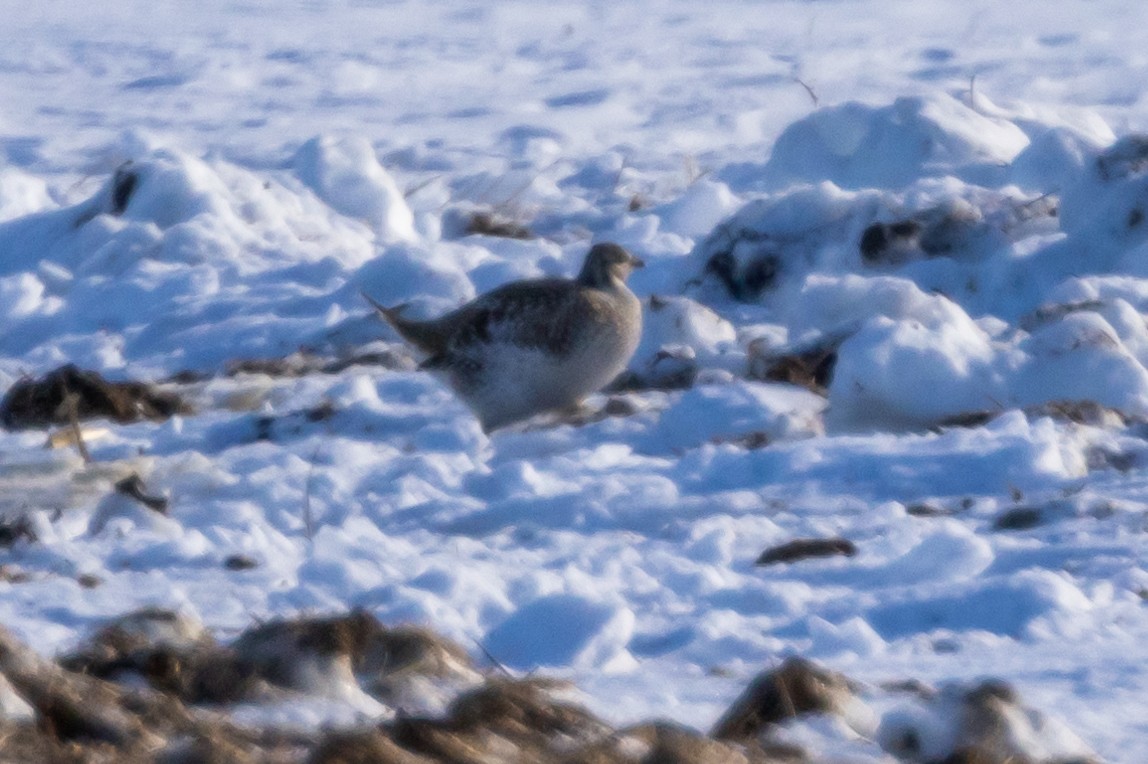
951	195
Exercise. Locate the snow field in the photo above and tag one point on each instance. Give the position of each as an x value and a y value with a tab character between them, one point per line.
968	260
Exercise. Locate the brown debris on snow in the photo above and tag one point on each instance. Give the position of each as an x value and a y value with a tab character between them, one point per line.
292	423
666	743
988	724
968	419
1018	519
513	721
523	721
386	661
172	652
302	363
953	228
1048	313
1080	412
890	243
803	549
796	687
928	509
810	367
240	562
80	715
69	392
488	223
140	630
85	719
1084	412
177	657
750	441
671	368
134	487
746	281
363	747
16	528
124	184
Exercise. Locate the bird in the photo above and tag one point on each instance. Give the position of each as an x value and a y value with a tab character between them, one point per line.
535	345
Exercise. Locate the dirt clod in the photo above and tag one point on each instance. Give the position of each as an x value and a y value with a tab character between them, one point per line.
134	487
240	562
802	549
492	224
810	367
797	687
1018	519
41	402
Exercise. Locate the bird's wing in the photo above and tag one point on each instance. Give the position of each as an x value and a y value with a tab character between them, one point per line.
528	314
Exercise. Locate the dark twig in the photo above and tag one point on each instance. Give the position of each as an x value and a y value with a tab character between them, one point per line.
809	90
497	663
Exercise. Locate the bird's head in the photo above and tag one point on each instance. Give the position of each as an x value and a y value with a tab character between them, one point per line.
607	264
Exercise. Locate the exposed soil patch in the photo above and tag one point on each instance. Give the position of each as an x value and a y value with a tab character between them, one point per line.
1018	519
803	549
810	366
70	393
81	713
493	224
796	687
17	528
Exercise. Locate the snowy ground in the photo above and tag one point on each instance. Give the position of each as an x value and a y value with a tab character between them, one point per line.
286	157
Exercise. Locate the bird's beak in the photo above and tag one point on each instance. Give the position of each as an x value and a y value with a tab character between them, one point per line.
637	262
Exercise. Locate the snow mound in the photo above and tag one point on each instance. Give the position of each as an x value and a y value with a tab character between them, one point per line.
859	146
704	204
775	241
984	719
170	248
910	372
1106	210
346	174
564	630
1028	603
680	337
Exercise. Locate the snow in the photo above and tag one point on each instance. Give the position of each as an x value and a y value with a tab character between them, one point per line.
565	630
283	160
859	146
347	175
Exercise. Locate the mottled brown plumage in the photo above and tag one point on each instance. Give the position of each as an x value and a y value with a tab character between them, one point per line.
536	345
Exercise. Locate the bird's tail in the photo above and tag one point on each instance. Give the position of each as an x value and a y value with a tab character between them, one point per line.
425	335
